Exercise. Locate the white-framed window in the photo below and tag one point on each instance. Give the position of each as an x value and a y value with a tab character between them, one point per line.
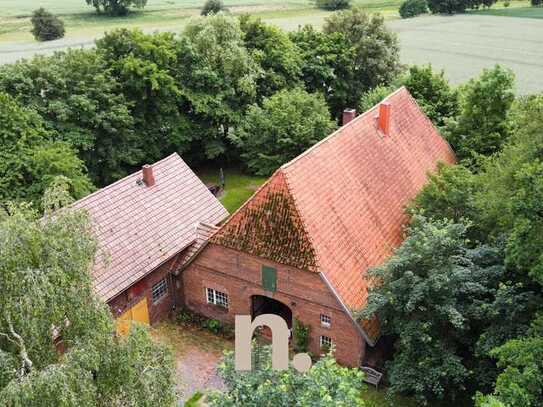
216	297
326	342
326	321
159	290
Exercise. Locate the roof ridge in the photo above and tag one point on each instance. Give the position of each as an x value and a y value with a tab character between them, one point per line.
123	179
340	129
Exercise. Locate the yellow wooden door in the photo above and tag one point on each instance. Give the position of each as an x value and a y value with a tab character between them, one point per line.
138	312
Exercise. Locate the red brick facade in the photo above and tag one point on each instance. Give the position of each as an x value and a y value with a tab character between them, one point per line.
238	274
143	288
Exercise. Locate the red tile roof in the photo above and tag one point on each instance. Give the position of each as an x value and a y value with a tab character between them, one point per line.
139	227
347	197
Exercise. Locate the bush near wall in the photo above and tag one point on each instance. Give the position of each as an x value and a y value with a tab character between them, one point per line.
46	26
413	8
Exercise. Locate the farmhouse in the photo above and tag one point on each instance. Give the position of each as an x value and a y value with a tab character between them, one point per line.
301	246
147	225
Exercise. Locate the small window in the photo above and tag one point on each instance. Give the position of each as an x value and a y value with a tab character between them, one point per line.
217	298
326	321
326	342
269	278
159	290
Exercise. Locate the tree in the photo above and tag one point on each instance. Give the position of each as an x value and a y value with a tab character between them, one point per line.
212	7
333	4
30	157
46	26
217	78
373	97
77	97
287	124
326	384
116	7
47	291
373	56
413	8
481	128
433	297
277	55
435	96
145	68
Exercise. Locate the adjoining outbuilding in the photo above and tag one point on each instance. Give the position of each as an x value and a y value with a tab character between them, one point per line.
301	246
147	225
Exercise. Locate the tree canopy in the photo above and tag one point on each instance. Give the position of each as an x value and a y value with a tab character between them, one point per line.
47	295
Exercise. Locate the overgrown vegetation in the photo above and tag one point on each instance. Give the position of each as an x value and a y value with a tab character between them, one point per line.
413	8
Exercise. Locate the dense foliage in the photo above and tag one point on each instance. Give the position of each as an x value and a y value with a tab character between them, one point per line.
326	384
47	295
212	7
46	26
333	4
116	7
413	8
286	125
457	6
31	158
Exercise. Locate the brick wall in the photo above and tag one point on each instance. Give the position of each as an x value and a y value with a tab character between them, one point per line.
143	288
239	275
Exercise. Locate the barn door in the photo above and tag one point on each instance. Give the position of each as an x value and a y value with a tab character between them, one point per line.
138	312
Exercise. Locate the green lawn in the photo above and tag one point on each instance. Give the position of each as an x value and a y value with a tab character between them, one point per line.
522	12
238	186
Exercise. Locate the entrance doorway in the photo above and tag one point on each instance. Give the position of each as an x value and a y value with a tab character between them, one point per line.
266	305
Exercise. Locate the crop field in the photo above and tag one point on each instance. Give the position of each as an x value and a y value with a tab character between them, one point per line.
462	45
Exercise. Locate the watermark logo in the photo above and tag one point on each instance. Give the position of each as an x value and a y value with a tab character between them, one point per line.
280	334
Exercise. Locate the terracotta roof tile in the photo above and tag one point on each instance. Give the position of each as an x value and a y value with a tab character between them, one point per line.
140	227
347	195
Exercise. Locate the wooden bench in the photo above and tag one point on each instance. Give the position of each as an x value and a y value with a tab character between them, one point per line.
371	376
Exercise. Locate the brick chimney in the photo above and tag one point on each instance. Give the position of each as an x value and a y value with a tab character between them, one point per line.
383	120
348	115
148	176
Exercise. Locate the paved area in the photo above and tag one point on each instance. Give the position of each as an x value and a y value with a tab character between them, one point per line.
197	354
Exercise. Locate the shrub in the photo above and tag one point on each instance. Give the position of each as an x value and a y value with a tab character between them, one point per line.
301	336
213	325
46	26
506	3
333	4
537	3
413	8
212	7
116	7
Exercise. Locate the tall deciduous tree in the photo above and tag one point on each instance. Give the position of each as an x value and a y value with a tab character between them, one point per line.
116	7
433	296
278	56
373	56
46	291
77	96
287	124
218	77
30	158
482	127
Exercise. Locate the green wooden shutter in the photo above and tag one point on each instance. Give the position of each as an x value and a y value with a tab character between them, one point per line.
269	278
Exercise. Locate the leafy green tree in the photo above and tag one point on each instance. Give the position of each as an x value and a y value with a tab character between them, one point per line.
212	7
433	297
433	93
46	293
116	7
30	158
46	26
77	97
373	97
326	384
218	78
373	56
333	4
145	67
287	124
277	55
481	127
413	8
